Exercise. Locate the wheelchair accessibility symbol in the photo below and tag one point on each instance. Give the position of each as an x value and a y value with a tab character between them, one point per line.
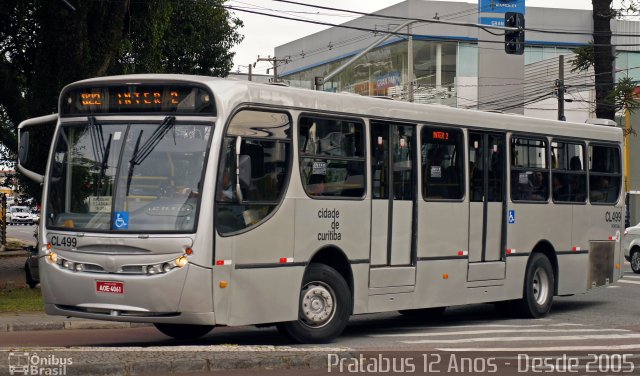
121	220
512	217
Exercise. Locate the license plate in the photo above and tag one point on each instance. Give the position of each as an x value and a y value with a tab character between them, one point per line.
110	287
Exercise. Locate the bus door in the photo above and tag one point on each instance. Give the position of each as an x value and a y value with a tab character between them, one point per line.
487	206
393	217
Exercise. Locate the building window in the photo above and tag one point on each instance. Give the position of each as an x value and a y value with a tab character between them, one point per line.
442	163
568	173
332	157
262	166
529	170
604	174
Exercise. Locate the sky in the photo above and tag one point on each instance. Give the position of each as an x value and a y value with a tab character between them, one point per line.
263	33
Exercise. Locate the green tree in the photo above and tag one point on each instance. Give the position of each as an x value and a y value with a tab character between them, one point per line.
44	45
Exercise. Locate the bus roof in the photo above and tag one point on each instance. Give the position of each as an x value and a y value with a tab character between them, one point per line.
230	93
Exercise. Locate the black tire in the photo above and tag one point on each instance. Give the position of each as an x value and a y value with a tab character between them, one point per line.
539	288
635	260
29	277
424	313
324	307
184	331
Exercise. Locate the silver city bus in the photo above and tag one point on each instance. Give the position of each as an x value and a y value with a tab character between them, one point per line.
191	202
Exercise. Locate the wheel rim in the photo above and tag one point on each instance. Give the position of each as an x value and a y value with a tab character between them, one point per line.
635	261
540	286
317	304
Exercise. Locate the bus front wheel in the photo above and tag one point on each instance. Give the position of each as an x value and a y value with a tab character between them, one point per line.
539	288
324	307
183	331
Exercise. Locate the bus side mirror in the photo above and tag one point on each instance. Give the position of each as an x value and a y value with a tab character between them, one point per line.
34	140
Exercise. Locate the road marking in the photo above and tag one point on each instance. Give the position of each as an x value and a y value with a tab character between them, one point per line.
631	276
515	339
474	332
629	282
550	349
613	287
491	326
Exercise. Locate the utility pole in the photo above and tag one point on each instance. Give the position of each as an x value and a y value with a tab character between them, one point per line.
274	61
560	88
250	72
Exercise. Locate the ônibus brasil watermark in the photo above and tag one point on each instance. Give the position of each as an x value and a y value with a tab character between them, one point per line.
32	364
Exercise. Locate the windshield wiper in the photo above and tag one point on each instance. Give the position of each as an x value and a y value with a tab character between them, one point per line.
104	163
140	153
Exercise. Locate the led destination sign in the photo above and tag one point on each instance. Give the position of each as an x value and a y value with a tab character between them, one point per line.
138	98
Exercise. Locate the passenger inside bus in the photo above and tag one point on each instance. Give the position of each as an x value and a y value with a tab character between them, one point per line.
316	184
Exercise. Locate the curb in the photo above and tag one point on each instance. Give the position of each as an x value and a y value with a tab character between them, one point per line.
67	325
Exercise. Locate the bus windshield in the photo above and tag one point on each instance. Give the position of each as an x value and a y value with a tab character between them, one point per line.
127	177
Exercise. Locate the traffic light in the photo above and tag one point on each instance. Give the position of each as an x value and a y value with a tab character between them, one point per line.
514	40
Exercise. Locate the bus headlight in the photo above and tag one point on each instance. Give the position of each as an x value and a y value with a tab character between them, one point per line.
181	261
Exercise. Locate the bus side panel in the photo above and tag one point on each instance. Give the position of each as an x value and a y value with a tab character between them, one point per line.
598	223
434	290
336	225
572	270
443	228
261	288
265	295
536	222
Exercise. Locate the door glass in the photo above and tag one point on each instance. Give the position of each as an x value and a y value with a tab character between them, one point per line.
476	167
380	160
402	163
496	168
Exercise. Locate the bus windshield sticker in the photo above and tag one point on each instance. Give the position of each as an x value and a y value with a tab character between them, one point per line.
121	220
436	172
523	178
116	136
512	217
99	204
319	168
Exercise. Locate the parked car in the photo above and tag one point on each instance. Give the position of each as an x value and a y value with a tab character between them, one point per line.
631	247
19	215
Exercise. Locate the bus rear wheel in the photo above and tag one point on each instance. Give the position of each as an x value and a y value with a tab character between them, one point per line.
538	291
324	307
183	331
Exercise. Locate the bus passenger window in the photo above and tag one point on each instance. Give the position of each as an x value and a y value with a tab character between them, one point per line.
265	155
604	174
331	157
442	164
529	170
569	178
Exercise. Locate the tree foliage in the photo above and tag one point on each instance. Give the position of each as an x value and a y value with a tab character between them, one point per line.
44	45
